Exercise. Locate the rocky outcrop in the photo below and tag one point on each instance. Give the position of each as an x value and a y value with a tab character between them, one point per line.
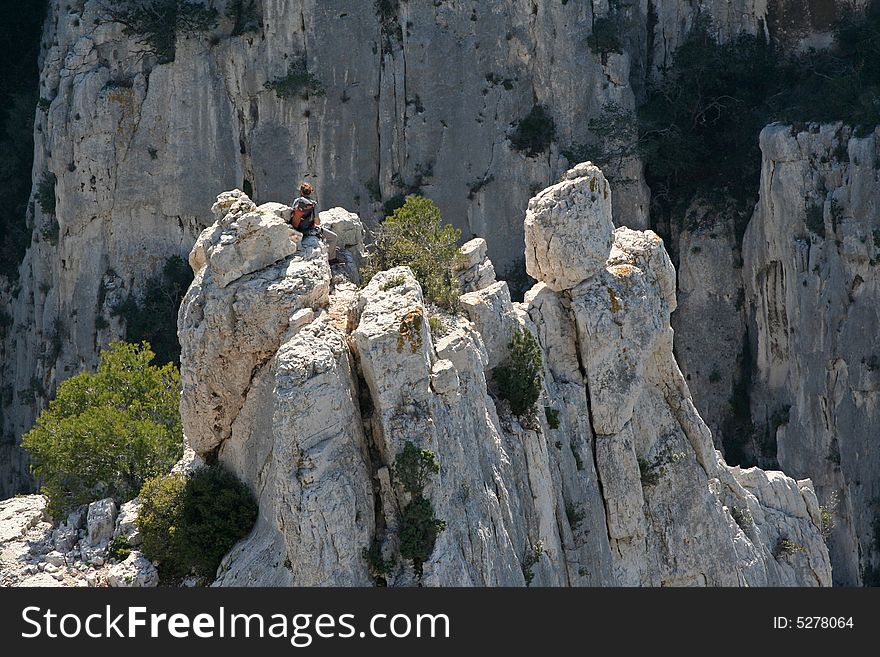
812	280
132	152
614	481
34	551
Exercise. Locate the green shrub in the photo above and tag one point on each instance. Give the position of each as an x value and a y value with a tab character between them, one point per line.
533	556
106	433
158	23
418	526
245	16
552	416
534	133
828	513
575	515
153	317
815	219
189	523
414	236
521	376
418	531
120	548
605	37
46	193
413	467
786	547
699	126
393	282
297	82
380	567
649	474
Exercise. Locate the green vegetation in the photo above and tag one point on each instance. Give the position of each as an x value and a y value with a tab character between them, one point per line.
698	129
158	23
189	523
418	527
615	141
45	196
393	282
245	16
533	556
605	37
650	472
786	548
575	515
413	467
436	325
828	513
297	82
814	219
120	548
153	317
534	133
578	461
552	416
418	531
106	433
380	567
414	236
521	376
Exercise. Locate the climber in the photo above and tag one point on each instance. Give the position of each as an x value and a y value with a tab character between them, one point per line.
305	219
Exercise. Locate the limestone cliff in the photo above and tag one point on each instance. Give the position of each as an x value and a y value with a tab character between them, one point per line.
309	388
812	279
423	96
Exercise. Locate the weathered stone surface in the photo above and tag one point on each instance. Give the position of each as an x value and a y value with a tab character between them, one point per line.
244	241
347	226
34	553
473	267
492	313
20	514
568	229
101	521
812	279
615	482
228	332
135	571
140	150
126	522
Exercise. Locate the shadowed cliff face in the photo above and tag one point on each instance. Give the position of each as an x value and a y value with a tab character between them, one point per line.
311	390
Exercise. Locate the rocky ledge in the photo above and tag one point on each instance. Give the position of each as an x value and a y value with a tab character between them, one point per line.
308	388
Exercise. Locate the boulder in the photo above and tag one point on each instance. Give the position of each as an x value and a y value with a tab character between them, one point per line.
568	229
100	521
135	571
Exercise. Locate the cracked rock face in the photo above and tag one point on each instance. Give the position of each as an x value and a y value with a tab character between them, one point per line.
139	150
614	481
812	281
74	553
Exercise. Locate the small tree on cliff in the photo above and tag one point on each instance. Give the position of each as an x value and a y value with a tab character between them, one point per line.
415	236
106	433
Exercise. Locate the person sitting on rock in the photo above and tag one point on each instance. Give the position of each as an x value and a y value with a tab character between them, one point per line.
306	220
